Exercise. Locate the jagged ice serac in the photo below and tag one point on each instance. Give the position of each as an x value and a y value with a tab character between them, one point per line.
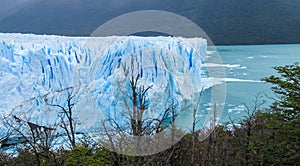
37	71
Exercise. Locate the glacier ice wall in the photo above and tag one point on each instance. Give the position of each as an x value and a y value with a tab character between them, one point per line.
32	66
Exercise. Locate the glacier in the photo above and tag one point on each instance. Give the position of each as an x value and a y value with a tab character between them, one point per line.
36	68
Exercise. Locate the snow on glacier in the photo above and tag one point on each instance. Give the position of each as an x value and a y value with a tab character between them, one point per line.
32	66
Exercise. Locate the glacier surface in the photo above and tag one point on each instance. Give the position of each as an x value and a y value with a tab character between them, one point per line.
36	69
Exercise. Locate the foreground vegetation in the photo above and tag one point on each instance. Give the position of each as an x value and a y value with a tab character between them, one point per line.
265	137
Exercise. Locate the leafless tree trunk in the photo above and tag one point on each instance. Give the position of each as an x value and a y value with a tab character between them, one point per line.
68	122
195	110
36	136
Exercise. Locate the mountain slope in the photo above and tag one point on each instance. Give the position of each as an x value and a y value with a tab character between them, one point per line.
226	22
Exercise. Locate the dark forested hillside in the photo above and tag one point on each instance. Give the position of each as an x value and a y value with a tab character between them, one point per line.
226	22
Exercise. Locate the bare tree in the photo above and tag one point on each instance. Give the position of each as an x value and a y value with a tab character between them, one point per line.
39	138
66	114
195	110
133	97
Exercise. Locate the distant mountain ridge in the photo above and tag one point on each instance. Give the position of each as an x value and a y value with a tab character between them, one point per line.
227	22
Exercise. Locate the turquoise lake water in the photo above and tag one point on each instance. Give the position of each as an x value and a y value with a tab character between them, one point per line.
247	65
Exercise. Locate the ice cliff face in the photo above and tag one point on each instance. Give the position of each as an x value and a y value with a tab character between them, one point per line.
35	66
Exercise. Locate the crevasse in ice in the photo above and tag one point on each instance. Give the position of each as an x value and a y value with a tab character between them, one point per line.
35	67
